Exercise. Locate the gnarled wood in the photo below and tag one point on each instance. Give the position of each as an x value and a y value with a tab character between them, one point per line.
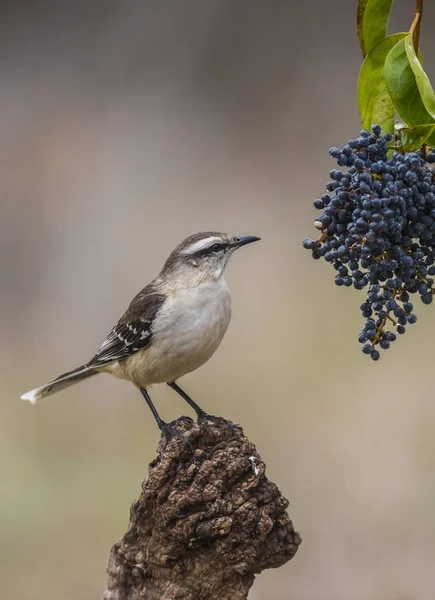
206	522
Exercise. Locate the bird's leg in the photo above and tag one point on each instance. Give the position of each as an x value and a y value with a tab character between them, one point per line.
202	415
167	429
199	411
162	425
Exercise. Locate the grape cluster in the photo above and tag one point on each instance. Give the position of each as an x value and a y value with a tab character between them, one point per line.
378	231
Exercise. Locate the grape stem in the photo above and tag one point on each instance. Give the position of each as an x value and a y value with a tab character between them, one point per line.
380	329
415	27
394	322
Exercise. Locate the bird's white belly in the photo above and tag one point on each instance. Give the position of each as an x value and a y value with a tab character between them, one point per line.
185	334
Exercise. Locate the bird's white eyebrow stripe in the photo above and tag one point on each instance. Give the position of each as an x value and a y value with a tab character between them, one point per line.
202	244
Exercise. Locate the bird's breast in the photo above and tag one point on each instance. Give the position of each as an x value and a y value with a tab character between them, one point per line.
187	330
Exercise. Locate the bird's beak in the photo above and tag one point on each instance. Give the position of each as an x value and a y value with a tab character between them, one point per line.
245	239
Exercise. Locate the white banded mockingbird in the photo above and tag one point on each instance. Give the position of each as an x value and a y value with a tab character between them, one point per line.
172	327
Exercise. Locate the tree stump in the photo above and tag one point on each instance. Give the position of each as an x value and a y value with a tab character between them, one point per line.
206	522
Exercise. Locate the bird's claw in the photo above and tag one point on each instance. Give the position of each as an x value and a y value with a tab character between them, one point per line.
170	431
203	417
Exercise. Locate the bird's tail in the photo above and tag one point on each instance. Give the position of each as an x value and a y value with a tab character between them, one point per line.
59	383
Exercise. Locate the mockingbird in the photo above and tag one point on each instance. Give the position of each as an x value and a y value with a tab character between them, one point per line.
171	327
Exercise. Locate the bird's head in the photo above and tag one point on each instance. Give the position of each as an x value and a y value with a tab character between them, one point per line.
206	254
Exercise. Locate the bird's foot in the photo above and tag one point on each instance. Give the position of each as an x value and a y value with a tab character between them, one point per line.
203	417
170	431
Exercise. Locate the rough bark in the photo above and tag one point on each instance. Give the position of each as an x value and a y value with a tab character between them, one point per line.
206	522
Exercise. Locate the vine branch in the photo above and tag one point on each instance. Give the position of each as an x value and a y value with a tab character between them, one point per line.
415	27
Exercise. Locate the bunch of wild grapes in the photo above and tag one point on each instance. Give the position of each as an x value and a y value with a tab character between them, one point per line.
378	232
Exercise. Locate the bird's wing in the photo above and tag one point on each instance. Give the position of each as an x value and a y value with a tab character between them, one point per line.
133	330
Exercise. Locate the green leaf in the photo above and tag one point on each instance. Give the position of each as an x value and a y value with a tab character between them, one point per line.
402	87
413	139
430	140
374	102
372	22
422	80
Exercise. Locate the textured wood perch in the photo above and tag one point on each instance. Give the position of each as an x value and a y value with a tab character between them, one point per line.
206	522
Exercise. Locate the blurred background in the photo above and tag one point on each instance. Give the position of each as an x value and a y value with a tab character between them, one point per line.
124	127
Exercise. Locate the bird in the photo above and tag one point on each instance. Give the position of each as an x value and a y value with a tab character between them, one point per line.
171	327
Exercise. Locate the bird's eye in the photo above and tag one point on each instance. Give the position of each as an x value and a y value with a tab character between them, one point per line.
216	248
